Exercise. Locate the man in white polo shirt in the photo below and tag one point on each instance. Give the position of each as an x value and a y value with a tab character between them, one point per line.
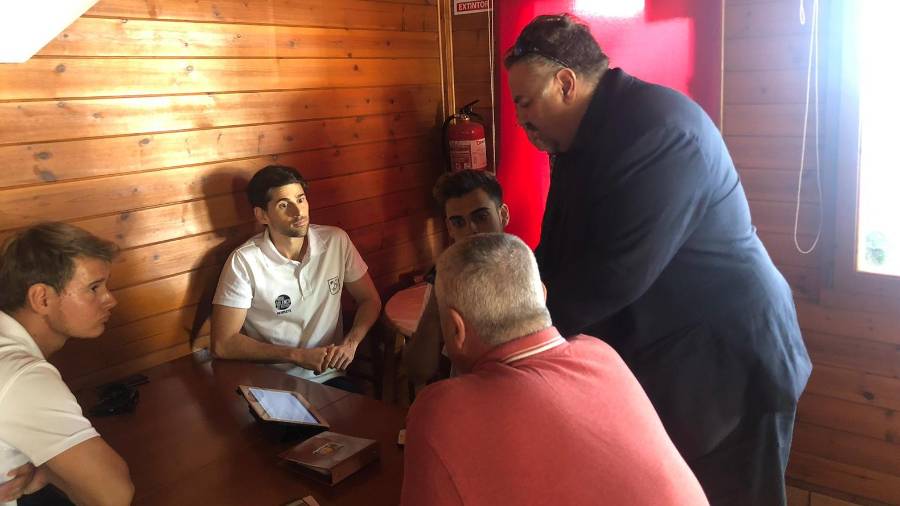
52	288
279	295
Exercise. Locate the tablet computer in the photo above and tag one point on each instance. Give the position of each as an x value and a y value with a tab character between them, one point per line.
282	406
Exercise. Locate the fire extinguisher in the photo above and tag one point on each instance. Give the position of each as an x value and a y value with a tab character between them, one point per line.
464	144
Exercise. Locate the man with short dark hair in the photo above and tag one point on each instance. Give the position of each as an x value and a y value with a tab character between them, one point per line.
531	418
472	202
647	242
279	294
53	287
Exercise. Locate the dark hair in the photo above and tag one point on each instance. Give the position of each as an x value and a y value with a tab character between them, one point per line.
259	189
456	184
562	39
45	253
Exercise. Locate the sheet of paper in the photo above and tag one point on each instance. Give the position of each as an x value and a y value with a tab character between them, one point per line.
283	405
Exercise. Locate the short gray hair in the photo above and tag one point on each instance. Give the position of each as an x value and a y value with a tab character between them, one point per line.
492	280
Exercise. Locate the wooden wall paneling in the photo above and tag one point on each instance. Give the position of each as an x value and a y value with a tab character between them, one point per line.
137	38
162	295
844	477
386	207
381	235
773	52
169	222
470	22
860	451
779	186
778	217
91	77
768	152
326	13
63	160
881	327
472	43
765	87
824	500
747	18
853	353
125	342
783	251
403	257
143	120
765	120
860	301
845	440
804	281
49	120
855	386
76	199
870	421
797	496
468	92
472	69
140	265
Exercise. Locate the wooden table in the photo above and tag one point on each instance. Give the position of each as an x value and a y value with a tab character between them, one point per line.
193	441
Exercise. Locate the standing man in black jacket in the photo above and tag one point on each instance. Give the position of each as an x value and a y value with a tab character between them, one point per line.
647	242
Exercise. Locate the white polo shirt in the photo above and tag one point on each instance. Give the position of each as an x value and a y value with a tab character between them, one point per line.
291	303
39	416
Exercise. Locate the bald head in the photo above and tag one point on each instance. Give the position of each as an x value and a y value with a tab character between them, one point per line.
492	281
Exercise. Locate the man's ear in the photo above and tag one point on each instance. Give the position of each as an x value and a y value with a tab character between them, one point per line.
458	339
260	215
39	297
567	84
504	215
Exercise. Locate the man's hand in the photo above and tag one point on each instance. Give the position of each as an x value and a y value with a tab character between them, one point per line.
25	479
313	359
340	356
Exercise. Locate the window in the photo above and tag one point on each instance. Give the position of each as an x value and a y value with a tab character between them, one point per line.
860	126
878	213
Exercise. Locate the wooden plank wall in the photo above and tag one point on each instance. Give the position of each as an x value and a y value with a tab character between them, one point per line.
471	67
143	121
847	438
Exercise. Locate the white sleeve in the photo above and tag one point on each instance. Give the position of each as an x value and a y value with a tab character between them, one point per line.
354	266
40	417
235	287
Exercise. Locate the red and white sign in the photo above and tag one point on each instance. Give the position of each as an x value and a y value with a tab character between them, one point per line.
470	6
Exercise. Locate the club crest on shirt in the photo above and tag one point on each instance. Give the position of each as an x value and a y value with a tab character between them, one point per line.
333	285
282	303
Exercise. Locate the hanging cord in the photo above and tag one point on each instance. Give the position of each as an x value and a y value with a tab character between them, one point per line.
493	97
812	80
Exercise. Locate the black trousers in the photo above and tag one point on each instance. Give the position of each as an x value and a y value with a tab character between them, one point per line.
344	383
47	496
747	468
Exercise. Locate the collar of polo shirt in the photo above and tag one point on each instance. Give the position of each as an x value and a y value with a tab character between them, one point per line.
316	248
12	329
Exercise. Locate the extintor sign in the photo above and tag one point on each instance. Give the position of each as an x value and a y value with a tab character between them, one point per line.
470	6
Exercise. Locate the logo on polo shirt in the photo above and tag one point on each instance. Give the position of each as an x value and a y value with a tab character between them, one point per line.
333	285
282	303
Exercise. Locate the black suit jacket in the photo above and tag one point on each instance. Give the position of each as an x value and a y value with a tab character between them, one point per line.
647	243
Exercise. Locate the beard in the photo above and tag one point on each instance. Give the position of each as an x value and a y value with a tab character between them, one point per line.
540	142
288	230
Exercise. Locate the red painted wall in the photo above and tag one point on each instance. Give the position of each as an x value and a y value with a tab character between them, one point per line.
675	43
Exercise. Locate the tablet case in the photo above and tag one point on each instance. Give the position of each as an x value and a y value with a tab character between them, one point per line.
260	413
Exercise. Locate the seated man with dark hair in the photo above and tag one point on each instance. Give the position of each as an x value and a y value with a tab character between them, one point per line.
53	280
279	294
531	418
472	201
